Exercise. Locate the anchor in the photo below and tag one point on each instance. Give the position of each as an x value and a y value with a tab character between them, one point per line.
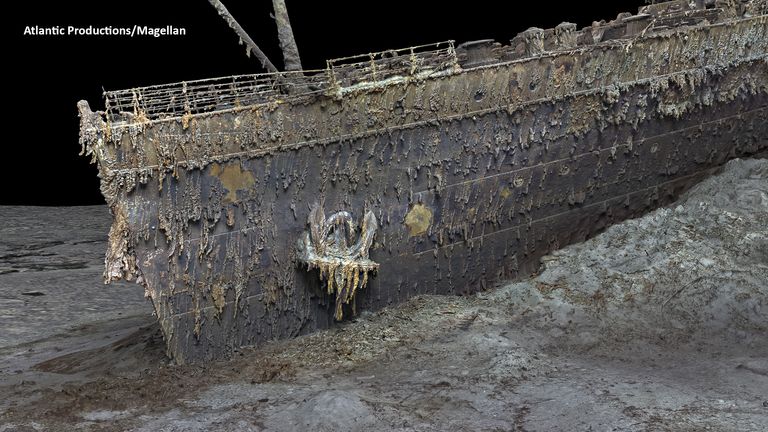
329	245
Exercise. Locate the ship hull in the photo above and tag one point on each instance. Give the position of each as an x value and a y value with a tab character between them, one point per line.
472	176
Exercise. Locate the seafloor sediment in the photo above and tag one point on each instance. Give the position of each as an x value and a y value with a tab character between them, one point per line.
659	323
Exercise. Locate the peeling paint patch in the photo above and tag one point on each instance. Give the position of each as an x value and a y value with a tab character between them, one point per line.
418	220
233	178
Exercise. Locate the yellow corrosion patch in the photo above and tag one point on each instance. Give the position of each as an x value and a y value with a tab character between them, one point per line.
505	192
219	296
418	219
233	178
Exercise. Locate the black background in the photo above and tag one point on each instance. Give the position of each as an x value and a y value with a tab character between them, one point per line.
49	74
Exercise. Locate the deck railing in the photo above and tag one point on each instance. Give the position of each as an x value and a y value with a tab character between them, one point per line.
207	95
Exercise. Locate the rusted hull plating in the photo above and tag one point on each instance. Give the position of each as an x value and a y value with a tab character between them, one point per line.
472	175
